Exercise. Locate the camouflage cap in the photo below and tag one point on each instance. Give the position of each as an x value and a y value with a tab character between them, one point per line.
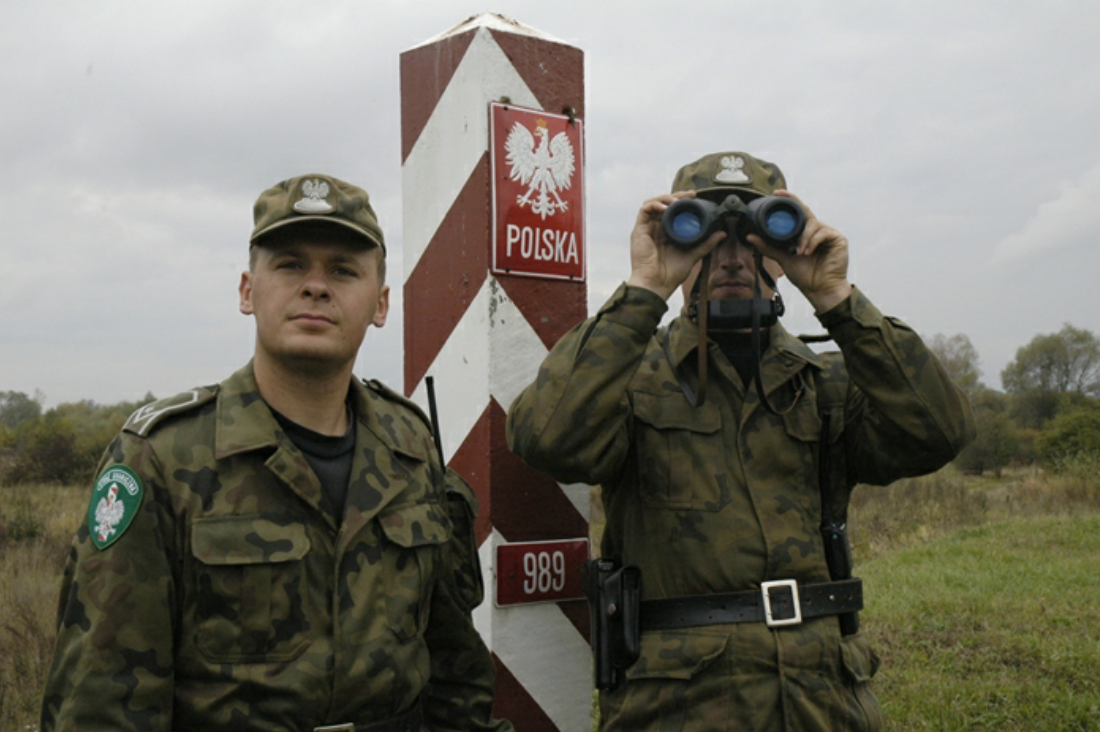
316	198
730	171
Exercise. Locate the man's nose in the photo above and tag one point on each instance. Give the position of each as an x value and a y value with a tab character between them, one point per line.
314	284
731	254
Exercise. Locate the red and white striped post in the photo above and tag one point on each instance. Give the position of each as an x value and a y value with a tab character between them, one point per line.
479	321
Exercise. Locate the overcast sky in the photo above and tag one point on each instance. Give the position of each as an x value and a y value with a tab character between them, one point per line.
954	143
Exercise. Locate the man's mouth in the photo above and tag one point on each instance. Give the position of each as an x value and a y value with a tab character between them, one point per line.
312	318
731	285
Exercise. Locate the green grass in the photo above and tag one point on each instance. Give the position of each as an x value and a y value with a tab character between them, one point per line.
995	627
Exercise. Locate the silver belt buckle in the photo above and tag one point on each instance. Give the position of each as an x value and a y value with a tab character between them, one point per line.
345	727
765	591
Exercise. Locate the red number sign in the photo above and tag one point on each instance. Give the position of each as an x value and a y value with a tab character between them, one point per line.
538	193
548	571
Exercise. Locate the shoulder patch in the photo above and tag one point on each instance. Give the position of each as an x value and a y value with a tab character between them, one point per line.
141	422
115	501
388	393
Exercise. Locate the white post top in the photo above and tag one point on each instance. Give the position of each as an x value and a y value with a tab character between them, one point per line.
492	21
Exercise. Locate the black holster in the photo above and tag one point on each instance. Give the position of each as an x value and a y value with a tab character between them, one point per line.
838	556
834	533
614	598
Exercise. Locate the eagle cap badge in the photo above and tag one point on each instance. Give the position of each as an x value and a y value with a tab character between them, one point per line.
732	170
314	193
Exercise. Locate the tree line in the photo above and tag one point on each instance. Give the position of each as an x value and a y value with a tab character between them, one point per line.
61	445
1048	411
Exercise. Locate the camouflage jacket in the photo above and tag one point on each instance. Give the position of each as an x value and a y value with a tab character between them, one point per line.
233	600
724	496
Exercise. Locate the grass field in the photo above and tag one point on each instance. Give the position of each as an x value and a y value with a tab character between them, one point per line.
995	627
983	598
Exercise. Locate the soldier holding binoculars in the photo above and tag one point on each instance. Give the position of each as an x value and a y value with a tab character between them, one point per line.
727	450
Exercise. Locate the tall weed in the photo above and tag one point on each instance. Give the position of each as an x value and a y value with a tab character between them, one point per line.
36	527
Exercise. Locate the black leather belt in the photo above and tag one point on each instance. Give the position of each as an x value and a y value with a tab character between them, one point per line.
406	722
779	603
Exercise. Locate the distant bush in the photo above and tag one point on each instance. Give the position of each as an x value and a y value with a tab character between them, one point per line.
996	445
1070	437
62	446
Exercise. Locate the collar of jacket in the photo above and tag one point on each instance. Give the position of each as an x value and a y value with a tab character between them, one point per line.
786	354
245	422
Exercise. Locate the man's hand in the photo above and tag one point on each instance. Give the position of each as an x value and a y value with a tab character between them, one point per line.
656	264
819	267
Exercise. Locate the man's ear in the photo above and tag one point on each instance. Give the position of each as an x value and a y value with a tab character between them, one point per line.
383	308
245	292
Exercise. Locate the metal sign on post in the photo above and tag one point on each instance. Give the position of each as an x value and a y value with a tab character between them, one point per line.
541	571
538	193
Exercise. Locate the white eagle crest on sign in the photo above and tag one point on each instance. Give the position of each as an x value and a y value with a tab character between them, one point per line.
544	169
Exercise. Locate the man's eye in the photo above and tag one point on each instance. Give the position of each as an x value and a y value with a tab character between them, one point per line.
346	272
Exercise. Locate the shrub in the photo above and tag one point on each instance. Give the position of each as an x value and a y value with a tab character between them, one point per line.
1071	436
996	445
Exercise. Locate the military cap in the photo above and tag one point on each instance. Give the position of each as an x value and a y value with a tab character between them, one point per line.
734	172
316	197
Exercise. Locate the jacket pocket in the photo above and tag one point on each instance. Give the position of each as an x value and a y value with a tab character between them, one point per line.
803	422
675	654
671	685
679	452
465	563
250	605
860	665
415	533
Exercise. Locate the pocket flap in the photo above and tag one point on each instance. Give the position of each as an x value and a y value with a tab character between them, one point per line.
859	658
803	422
252	539
676	654
672	411
415	524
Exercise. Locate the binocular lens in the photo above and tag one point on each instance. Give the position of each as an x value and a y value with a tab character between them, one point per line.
781	224
687	225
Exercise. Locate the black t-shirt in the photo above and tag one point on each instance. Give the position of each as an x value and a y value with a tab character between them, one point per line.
329	456
737	348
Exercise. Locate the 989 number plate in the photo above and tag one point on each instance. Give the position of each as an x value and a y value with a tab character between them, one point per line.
547	571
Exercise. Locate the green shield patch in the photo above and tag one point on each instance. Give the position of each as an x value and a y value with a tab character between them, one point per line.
115	501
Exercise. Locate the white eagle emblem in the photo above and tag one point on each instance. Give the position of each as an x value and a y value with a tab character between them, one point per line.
108	513
732	170
313	197
544	169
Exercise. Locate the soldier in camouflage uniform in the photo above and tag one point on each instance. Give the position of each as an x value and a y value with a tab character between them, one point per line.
712	501
282	551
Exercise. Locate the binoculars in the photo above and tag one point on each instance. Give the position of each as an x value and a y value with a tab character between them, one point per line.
688	222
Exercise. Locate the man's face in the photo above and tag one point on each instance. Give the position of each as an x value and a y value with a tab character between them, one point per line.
733	273
314	294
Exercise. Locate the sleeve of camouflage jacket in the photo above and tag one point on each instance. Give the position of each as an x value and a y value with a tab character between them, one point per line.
904	415
574	420
460	695
112	667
